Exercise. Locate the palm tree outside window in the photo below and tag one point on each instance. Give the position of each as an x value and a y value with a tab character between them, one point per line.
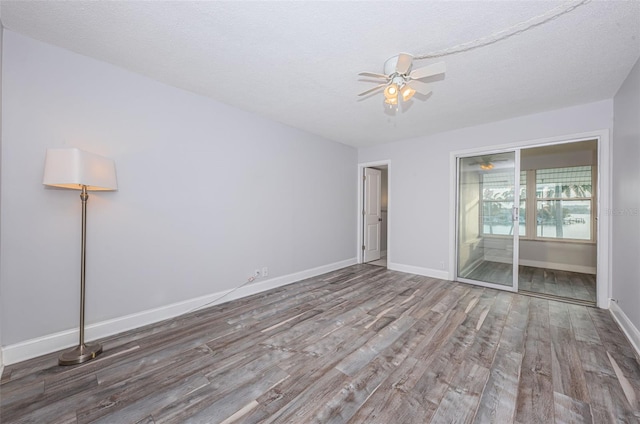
562	205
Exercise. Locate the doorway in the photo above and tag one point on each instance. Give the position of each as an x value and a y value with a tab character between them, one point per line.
373	234
558	257
526	220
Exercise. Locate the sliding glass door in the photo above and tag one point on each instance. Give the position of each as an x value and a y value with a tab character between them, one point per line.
488	219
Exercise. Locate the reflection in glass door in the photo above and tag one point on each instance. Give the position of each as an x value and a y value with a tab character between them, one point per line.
488	222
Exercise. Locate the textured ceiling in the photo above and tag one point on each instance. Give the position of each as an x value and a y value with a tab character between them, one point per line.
297	62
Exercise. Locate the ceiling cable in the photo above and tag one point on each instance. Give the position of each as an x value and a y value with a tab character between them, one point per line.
508	32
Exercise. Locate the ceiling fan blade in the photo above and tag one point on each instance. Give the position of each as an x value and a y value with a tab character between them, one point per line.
421	87
428	71
404	63
371	90
373	75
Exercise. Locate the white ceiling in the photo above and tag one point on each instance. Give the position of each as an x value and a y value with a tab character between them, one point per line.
297	62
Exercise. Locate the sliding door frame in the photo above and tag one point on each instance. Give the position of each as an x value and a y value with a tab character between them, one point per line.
603	201
516	232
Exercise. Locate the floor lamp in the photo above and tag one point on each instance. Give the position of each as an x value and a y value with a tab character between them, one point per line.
78	170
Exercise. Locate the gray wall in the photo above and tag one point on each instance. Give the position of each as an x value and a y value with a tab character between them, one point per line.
625	211
1	49
419	175
207	193
568	256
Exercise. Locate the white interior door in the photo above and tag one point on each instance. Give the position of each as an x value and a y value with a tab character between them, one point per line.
372	214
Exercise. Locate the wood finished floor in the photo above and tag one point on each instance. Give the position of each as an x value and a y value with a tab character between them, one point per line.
571	285
359	345
380	262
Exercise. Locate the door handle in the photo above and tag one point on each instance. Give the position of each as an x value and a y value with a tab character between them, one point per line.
379	219
514	214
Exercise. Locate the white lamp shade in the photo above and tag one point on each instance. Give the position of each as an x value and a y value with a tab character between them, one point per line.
73	168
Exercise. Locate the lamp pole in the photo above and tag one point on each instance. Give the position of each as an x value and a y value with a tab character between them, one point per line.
83	352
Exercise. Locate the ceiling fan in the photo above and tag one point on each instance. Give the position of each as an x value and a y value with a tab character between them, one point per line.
401	81
487	163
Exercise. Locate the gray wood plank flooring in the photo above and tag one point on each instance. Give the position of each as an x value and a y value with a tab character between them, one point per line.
358	345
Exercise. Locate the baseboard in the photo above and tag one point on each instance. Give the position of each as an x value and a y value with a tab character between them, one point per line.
630	330
1	362
427	272
558	266
53	342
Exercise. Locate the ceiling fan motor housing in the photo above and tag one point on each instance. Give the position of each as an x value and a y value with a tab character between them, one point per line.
391	64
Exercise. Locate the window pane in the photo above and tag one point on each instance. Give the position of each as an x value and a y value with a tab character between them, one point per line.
497	194
568	219
563	183
497	218
497	186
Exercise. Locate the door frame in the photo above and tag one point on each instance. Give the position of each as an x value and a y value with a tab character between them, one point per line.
603	201
516	234
360	200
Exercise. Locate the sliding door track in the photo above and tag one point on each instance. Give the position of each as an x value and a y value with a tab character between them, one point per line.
558	298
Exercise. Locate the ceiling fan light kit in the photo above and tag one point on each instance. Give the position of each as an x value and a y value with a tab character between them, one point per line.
407	93
400	77
391	91
401	80
391	101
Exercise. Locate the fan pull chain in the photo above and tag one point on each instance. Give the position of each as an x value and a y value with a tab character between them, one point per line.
506	33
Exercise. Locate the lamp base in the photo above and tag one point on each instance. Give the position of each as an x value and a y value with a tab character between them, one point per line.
79	354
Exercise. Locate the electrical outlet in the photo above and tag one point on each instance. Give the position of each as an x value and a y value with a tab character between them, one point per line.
442	265
256	273
265	271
